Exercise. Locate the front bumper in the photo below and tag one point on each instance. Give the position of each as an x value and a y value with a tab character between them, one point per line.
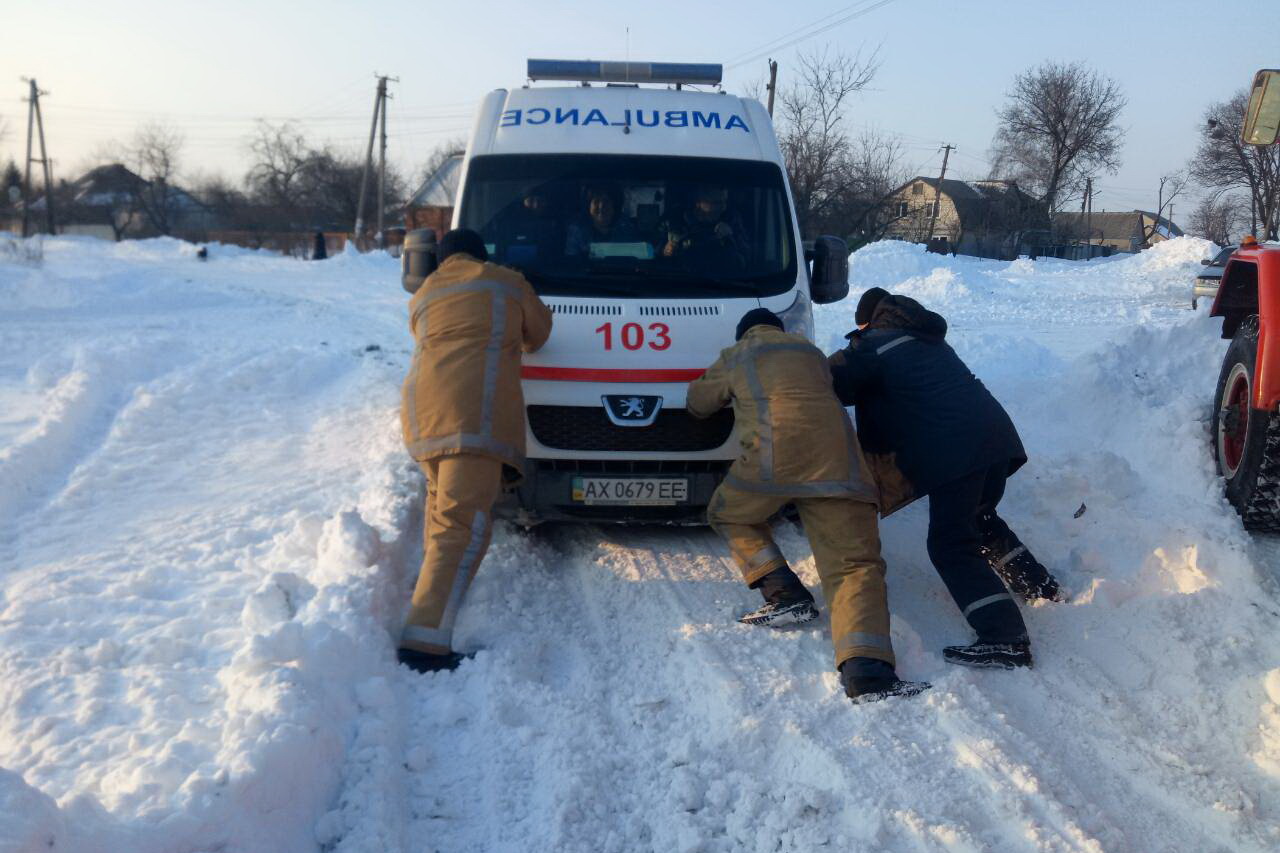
1205	288
546	493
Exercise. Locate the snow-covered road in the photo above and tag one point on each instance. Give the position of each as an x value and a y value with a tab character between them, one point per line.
208	530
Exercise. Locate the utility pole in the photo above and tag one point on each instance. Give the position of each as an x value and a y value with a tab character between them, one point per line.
35	120
382	172
379	110
937	193
1088	219
773	84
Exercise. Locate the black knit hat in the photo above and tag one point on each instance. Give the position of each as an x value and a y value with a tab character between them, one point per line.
757	317
462	240
867	305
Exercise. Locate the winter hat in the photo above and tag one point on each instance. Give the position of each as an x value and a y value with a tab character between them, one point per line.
462	240
757	317
867	305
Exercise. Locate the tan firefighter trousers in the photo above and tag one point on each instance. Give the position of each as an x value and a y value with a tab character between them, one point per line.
846	548
461	490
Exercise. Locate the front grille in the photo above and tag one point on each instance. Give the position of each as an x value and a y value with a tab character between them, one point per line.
577	308
679	310
589	428
629	467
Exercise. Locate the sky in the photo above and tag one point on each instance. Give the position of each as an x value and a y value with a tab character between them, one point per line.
212	69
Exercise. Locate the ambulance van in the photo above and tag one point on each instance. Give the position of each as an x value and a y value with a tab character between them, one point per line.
650	210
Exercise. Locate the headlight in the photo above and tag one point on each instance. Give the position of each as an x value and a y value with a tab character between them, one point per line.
798	319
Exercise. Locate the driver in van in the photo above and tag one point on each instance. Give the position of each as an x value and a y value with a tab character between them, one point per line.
709	233
798	447
603	222
531	231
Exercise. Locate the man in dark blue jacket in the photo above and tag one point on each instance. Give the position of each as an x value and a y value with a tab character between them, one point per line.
928	426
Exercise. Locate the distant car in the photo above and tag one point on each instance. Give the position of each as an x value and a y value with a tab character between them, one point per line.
1207	282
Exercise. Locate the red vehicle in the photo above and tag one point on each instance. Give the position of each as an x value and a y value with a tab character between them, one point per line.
1247	402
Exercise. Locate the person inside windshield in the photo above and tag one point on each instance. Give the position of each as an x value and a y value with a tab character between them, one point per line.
531	231
603	222
709	235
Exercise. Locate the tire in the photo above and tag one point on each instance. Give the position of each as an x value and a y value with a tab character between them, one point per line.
1246	441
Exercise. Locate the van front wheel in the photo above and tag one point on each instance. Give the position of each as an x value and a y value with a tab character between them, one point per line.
1247	440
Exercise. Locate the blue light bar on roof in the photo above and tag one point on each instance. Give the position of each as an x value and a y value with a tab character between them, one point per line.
589	70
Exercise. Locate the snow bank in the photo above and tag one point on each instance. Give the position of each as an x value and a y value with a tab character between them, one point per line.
215	531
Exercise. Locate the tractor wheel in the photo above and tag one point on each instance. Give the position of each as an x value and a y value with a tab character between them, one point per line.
1247	440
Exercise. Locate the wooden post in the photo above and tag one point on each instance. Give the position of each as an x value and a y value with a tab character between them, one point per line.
937	194
773	84
26	176
368	159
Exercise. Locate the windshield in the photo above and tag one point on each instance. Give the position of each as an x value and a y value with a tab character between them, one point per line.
605	225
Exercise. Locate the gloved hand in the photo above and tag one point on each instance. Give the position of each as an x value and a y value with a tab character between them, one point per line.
723	231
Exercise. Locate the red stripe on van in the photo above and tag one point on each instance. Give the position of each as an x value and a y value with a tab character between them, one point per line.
594	374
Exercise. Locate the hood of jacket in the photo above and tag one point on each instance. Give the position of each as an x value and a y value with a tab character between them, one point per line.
902	313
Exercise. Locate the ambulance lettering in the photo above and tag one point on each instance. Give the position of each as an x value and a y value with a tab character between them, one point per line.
696	119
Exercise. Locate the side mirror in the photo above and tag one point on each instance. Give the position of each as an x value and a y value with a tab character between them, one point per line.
829	281
1204	262
1262	116
417	258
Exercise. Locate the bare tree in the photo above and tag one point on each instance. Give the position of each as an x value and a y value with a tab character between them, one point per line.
332	181
1218	218
1223	163
10	178
153	155
1171	186
278	175
876	171
1058	127
449	148
229	204
814	142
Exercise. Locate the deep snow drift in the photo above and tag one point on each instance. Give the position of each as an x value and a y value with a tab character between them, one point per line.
208	528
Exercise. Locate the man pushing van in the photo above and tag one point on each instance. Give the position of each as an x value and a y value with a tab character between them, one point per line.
798	447
463	422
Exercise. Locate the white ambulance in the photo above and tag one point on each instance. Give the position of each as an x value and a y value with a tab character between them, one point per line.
650	210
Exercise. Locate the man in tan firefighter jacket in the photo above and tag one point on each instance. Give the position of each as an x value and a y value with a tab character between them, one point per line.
463	421
799	447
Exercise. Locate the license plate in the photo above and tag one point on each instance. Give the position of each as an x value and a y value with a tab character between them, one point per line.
630	491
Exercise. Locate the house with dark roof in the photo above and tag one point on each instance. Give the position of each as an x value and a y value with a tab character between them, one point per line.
1122	231
989	219
111	201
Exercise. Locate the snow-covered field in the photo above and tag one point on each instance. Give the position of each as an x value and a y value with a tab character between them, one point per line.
208	529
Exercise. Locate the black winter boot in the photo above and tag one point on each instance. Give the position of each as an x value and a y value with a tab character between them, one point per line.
990	655
424	662
787	602
1025	576
870	680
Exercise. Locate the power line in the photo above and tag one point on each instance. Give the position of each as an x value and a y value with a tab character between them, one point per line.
807	32
738	57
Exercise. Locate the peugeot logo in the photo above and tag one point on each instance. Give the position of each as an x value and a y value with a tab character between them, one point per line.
629	410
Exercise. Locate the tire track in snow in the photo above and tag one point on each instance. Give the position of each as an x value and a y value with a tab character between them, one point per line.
827	713
810	796
79	411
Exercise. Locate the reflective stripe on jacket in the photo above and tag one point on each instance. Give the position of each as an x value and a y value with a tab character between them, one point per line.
796	438
471	320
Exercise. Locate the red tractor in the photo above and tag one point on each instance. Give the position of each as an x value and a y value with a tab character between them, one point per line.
1247	403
